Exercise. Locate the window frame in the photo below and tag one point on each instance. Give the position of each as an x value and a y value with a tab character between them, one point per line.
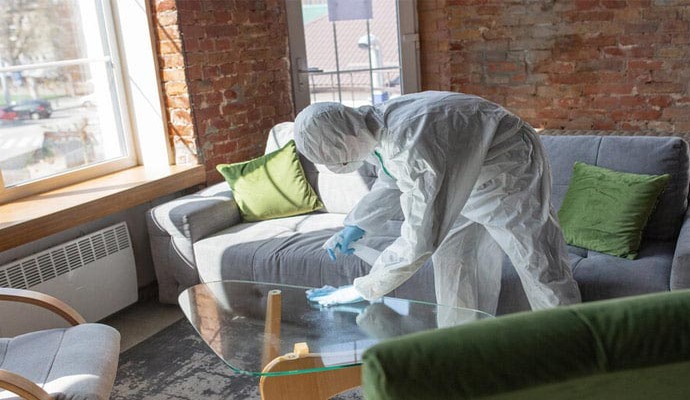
408	45
136	88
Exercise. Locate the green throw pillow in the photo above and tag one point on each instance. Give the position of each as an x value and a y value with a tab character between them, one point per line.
606	210
271	186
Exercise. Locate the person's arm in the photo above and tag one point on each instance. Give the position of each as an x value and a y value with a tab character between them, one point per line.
425	166
369	215
377	207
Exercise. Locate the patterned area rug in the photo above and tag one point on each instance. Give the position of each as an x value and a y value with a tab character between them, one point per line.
176	364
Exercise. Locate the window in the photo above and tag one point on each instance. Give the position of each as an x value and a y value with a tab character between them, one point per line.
354	52
63	114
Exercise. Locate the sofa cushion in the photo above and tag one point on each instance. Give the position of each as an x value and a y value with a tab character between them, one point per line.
288	250
600	276
271	186
74	363
640	155
606	210
340	192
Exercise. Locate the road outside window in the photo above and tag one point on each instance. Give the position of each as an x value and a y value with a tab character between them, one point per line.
60	93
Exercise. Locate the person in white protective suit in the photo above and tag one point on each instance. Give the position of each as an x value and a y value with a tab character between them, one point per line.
471	179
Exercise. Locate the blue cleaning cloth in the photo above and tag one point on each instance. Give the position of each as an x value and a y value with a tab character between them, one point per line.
314	294
330	296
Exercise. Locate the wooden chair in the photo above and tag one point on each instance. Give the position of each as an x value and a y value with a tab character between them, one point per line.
79	361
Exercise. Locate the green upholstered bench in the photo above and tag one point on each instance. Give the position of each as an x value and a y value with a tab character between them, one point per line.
628	348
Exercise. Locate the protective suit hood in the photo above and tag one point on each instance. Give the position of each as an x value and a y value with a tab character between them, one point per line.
337	136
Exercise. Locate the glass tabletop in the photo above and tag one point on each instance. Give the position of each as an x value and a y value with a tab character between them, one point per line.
249	324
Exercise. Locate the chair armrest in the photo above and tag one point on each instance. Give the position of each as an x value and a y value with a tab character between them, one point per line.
680	269
44	301
22	387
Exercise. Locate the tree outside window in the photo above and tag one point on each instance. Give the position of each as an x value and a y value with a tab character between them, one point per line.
61	99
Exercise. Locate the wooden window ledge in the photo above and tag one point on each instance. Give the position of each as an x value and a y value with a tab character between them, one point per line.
30	218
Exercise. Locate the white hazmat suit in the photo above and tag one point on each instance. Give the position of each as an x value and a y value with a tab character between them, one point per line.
471	179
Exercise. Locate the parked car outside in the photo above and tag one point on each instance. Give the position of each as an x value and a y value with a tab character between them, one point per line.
6	114
31	109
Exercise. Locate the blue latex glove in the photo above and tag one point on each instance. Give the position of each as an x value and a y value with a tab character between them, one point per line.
330	296
341	240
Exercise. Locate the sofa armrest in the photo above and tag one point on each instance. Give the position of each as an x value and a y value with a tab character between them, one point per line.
175	226
479	359
563	348
680	269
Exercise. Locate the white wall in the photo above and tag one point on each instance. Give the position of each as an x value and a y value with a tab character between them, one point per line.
136	223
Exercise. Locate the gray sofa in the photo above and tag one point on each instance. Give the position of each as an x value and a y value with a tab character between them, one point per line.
200	237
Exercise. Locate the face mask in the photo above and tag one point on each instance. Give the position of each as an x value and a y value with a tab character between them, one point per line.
344	168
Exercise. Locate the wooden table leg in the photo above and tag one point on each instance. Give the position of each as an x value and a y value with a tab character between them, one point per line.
306	386
271	348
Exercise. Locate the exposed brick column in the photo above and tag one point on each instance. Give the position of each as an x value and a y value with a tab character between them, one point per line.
434	44
234	84
174	81
580	64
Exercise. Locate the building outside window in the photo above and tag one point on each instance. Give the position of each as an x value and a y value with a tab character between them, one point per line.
62	108
355	52
354	58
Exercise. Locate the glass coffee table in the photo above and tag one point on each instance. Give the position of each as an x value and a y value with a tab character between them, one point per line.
300	349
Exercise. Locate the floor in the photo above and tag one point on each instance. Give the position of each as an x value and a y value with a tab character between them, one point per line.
142	320
146	318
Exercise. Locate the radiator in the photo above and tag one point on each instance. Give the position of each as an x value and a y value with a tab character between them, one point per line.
95	274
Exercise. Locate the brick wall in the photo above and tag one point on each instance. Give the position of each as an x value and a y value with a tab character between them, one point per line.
225	73
173	80
434	36
574	64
